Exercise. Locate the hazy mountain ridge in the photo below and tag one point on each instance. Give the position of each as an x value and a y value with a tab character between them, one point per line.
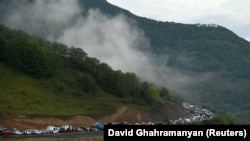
205	63
83	87
199	48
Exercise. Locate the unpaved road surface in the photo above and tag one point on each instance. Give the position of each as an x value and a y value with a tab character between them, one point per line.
122	114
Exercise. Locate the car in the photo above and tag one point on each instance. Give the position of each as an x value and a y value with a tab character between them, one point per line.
36	131
5	131
67	129
85	128
27	132
16	132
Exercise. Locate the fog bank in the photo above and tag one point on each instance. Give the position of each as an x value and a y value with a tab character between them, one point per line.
115	40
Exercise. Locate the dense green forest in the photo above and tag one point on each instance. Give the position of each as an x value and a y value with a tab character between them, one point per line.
209	48
45	66
212	49
43	59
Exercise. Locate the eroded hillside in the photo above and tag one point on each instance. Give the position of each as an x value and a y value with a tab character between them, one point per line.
122	114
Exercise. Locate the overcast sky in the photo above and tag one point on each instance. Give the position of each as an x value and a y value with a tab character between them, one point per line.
232	14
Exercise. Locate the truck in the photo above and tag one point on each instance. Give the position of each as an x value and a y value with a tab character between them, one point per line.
52	129
98	126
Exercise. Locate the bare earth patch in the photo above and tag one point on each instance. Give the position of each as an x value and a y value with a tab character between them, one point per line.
122	114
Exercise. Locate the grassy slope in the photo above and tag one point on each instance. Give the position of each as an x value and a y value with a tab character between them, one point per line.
24	95
244	116
21	94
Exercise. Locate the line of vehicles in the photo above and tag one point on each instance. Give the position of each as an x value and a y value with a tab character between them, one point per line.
197	114
50	129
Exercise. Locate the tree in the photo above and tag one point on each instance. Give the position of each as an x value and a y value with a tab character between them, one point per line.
77	55
87	83
150	93
164	94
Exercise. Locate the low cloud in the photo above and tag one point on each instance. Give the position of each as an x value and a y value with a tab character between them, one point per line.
45	18
115	40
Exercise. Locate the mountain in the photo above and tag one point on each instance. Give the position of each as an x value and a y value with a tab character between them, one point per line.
206	64
199	49
48	81
59	69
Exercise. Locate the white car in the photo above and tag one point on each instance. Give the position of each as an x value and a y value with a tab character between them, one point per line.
36	131
17	132
27	132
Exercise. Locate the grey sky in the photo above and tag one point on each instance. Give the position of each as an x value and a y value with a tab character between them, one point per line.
232	14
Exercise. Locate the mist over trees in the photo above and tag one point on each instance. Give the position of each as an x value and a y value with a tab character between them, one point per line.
201	63
43	59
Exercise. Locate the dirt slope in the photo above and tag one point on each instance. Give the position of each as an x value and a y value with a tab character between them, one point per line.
122	114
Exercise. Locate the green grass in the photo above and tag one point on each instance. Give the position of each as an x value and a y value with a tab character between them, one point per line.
22	94
244	116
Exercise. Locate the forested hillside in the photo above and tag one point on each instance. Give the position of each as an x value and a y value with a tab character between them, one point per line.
67	71
201	63
199	49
